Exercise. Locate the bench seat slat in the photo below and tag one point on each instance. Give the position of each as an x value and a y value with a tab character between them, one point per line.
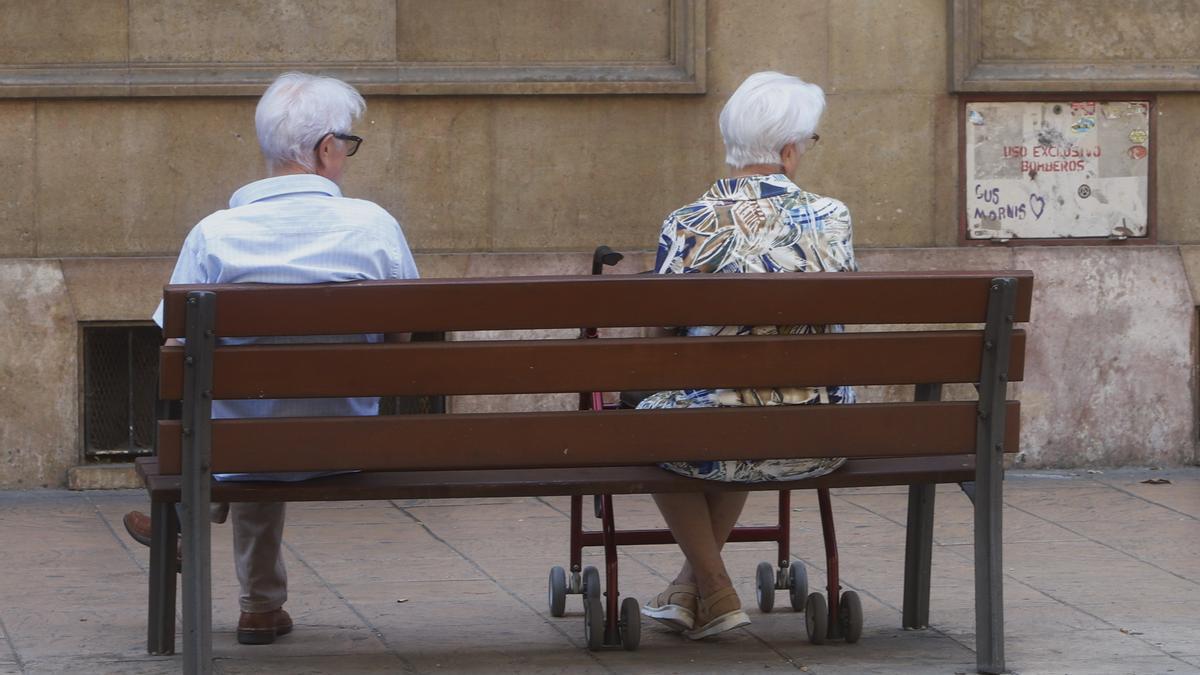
602	301
544	366
868	472
574	439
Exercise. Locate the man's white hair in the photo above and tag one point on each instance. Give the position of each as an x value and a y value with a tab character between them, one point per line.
297	110
768	111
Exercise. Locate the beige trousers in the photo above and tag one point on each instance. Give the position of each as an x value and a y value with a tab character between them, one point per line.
257	552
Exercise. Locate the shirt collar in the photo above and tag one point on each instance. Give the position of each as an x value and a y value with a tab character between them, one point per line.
278	186
749	188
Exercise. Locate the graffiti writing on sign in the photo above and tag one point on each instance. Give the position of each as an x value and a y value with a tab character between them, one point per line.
1051	158
1056	169
997	208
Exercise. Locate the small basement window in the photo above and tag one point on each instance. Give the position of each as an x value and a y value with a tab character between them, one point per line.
120	380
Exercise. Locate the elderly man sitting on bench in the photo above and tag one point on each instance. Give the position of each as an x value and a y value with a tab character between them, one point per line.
293	227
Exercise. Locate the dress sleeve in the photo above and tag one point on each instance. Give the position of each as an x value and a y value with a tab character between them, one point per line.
667	249
839	236
693	240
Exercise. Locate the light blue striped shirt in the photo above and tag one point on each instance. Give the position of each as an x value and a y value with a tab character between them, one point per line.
294	229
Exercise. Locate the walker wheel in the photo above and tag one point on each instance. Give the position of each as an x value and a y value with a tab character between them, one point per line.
631	624
558	591
764	587
593	623
797	585
816	618
591	583
850	615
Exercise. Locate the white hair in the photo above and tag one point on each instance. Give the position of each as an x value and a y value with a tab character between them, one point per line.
768	111
298	110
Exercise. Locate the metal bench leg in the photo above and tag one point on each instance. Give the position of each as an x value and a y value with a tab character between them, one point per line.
196	483
160	637
918	551
918	555
989	474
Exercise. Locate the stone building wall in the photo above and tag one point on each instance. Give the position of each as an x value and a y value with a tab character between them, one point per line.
103	183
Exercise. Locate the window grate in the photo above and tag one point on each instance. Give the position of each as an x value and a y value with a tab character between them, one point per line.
120	373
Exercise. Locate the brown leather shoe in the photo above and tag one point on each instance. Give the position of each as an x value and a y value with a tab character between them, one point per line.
137	524
261	628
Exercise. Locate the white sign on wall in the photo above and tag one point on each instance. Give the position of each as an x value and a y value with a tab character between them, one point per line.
1057	169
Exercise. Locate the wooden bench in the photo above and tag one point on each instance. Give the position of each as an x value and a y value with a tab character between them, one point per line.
918	444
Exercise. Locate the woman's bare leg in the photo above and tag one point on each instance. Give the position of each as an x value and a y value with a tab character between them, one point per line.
724	508
688	517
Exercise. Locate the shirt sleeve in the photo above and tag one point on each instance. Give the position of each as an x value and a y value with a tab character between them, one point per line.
189	268
403	264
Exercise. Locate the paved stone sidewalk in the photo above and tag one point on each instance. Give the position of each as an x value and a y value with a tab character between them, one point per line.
1102	576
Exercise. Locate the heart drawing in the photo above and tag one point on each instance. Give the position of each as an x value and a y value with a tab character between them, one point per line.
1037	204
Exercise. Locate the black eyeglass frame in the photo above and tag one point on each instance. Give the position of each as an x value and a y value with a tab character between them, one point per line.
357	140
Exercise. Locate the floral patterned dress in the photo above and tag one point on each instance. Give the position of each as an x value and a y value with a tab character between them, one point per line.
755	224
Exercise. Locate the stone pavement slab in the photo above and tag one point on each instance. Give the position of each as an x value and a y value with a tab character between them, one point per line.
1102	575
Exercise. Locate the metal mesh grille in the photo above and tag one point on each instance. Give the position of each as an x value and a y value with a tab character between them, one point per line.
120	366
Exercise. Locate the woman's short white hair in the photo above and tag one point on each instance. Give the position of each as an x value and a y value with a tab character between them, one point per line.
297	110
768	111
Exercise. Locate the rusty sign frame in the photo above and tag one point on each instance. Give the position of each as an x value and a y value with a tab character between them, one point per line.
1033	97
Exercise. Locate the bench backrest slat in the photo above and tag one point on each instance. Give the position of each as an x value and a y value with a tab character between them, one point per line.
572	302
565	439
543	366
904	305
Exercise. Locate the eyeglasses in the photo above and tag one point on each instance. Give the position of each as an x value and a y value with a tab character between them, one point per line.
356	140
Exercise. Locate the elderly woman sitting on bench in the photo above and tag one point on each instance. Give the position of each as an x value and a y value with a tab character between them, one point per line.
756	220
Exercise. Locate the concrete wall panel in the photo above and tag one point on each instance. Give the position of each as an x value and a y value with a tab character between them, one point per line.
63	31
262	31
533	30
133	177
1110	358
1191	264
877	155
38	375
115	289
1090	30
738	44
1178	163
428	162
944	180
571	174
17	210
898	45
